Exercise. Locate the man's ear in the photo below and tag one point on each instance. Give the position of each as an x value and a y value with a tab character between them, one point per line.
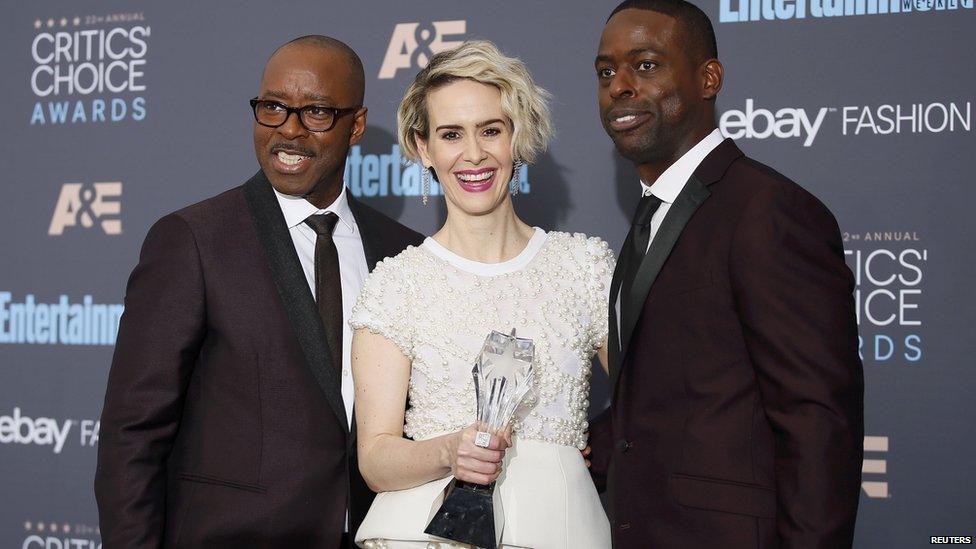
713	74
358	126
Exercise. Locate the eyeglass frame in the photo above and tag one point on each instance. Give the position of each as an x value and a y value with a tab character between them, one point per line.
336	113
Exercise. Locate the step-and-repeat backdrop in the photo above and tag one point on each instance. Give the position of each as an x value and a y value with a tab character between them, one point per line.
117	112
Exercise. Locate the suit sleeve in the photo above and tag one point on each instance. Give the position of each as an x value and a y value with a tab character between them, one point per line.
793	292
157	346
601	445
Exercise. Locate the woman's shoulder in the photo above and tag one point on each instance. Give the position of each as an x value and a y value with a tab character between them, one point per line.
388	287
411	260
581	246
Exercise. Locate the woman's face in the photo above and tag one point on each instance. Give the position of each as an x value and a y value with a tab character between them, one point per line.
469	145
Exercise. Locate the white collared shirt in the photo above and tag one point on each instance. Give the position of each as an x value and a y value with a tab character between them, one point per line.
352	265
669	185
672	181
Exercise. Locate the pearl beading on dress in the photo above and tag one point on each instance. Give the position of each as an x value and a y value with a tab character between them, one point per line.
438	315
377	543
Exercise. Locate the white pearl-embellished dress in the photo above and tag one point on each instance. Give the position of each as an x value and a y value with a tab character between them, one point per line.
438	307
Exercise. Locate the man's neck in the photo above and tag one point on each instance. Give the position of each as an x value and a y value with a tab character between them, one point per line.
650	172
325	193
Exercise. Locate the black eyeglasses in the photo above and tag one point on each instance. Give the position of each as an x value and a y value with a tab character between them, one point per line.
315	118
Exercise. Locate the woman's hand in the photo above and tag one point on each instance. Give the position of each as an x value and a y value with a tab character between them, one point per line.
587	451
472	463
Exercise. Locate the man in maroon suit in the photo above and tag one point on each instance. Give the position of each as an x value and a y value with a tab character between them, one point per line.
737	391
227	419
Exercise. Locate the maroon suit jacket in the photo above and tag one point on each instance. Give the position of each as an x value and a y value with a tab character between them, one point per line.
222	426
737	393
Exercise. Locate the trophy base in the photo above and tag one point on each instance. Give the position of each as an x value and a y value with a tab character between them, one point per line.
467	515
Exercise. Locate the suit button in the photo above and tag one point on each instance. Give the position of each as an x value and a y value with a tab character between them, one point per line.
624	445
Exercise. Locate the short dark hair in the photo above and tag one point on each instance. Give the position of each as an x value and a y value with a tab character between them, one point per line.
695	21
331	44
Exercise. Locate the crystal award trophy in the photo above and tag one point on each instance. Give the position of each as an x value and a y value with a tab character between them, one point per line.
471	513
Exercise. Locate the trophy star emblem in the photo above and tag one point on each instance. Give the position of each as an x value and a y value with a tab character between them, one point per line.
502	375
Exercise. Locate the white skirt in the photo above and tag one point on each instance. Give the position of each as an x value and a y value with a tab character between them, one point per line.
547	497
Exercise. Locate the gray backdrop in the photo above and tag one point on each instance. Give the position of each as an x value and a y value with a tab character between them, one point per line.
867	106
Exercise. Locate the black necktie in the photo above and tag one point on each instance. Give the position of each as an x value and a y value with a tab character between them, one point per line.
328	286
640	235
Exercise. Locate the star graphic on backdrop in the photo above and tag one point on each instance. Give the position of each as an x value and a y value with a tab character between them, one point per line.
63	21
65	528
50	23
40	526
27	525
76	21
37	23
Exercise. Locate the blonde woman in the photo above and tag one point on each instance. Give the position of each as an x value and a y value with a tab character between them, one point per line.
471	117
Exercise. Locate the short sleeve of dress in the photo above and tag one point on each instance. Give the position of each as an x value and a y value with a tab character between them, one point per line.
384	304
600	267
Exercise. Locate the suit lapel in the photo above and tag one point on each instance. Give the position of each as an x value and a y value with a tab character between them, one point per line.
371	241
614	333
688	201
694	193
286	270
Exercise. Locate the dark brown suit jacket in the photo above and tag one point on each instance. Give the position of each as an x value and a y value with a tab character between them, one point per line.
736	416
222	426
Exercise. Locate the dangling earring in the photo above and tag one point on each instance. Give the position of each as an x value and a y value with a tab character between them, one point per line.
425	184
516	178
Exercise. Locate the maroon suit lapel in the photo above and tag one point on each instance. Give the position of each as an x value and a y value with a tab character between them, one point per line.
694	193
286	270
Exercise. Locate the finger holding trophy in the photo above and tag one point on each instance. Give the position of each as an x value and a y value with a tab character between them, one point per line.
472	512
478	463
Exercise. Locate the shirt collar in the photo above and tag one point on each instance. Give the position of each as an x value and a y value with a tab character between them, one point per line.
297	209
670	183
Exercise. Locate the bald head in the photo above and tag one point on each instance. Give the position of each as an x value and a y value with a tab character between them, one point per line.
317	44
322	79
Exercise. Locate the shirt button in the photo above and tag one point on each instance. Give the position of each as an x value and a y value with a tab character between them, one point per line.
624	445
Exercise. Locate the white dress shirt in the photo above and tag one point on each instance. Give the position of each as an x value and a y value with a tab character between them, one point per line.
669	185
352	265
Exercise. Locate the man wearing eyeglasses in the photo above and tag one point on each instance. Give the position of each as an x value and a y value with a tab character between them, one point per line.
228	415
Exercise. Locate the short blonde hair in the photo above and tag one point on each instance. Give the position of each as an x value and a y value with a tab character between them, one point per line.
525	104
